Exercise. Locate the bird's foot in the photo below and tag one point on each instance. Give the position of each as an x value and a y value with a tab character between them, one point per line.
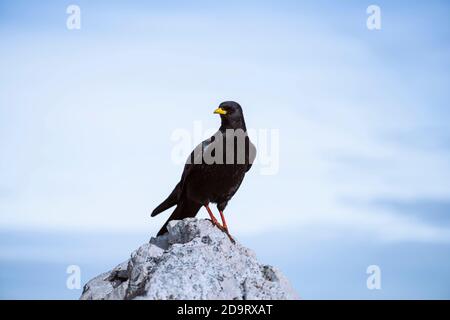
223	229
217	224
230	237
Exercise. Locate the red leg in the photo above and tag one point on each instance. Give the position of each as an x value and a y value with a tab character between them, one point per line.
224	223
225	227
213	219
217	224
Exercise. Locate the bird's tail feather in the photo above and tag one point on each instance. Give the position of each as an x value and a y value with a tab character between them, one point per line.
185	209
171	200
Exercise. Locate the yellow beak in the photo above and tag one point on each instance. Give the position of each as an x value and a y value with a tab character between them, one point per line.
220	111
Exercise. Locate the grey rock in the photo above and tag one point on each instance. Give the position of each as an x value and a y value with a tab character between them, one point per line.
194	260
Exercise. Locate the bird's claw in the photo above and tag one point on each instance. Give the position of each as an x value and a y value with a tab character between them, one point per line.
224	230
230	237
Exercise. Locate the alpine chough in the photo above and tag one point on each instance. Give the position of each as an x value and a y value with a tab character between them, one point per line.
214	170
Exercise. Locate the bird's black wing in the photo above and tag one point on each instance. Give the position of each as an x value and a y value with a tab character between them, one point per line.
185	209
194	158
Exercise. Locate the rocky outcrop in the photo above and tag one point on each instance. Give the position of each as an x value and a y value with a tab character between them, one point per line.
194	260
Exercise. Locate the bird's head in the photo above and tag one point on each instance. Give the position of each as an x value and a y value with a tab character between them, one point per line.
231	115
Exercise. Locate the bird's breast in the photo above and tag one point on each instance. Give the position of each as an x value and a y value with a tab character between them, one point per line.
215	182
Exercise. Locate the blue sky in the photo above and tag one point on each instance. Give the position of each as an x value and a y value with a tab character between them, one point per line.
86	118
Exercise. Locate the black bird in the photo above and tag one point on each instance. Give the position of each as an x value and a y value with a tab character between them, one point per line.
214	170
